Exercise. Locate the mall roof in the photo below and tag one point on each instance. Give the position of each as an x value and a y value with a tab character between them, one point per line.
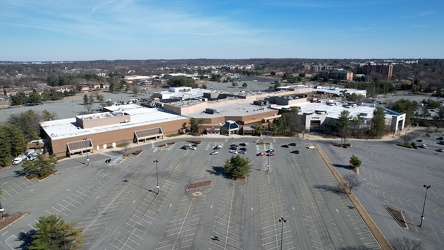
238	109
334	108
139	116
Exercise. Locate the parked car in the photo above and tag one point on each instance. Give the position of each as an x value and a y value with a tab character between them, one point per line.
270	150
17	160
217	146
234	146
242	152
441	142
285	146
260	154
295	151
440	138
233	151
423	146
214	153
310	147
292	144
243	143
271	154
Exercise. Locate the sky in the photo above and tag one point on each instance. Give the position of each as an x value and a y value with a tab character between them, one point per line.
71	30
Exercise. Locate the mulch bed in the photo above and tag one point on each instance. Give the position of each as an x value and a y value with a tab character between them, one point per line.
199	185
6	221
241	179
32	176
397	215
136	153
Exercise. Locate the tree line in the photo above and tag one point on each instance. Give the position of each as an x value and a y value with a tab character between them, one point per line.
18	130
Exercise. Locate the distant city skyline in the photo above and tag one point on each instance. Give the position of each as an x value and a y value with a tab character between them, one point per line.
49	30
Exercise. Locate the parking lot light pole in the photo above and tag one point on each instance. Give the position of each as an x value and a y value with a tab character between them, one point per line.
87	158
268	165
282	220
423	206
157	177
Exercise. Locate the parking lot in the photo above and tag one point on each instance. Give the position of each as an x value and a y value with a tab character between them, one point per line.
394	176
119	206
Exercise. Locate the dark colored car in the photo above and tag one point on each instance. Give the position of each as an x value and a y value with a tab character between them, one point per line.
292	144
285	146
295	151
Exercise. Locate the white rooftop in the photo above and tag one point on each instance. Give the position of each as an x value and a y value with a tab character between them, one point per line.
238	109
333	111
66	128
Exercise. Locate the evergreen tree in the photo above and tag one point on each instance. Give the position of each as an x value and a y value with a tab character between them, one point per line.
355	161
378	122
343	125
258	129
17	141
54	233
237	166
5	149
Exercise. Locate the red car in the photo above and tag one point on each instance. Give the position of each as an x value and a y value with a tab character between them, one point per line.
260	154
271	154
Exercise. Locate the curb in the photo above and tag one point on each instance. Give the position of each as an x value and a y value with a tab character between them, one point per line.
379	236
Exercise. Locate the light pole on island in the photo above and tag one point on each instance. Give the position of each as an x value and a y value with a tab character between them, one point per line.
423	206
87	158
157	177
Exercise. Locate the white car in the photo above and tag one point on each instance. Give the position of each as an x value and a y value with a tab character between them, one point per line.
17	160
214	153
233	152
310	147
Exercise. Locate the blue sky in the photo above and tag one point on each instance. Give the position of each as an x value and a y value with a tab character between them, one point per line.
58	30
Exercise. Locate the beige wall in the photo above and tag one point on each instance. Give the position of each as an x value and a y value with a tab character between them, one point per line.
102	121
117	136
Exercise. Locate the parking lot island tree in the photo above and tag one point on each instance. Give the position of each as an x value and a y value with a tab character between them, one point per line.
352	181
237	167
41	166
54	233
355	162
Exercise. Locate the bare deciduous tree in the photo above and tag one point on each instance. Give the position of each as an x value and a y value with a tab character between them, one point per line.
405	243
352	181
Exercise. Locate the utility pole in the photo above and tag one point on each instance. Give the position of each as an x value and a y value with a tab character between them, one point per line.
282	220
87	158
423	206
157	177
